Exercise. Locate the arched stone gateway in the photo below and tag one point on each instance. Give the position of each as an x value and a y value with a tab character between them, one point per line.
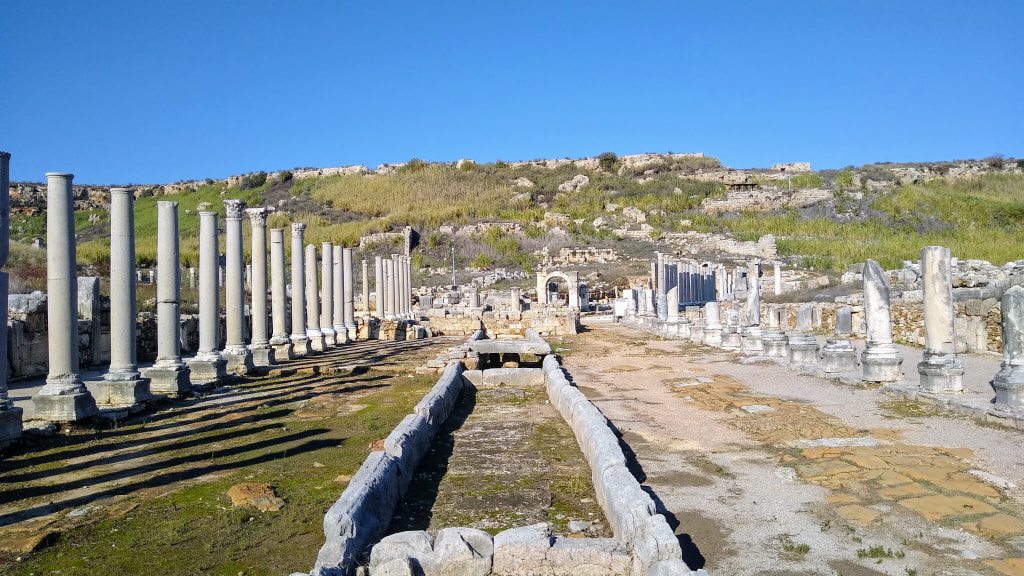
572	279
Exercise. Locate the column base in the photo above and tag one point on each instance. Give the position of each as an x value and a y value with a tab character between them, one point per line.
263	355
10	425
341	335
776	344
881	363
713	337
694	332
731	340
238	360
352	331
941	373
316	344
1008	384
300	347
172	378
803	349
64	407
123	393
839	356
752	344
282	351
330	339
206	370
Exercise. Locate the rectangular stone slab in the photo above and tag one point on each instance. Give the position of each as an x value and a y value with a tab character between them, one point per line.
538	347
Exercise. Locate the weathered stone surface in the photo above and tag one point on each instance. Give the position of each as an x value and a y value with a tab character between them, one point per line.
254	495
939	506
589	557
462	551
407	443
523	551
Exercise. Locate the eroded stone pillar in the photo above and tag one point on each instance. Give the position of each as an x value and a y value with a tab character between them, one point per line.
713	324
279	297
880	359
237	355
10	416
341	333
328	288
64	398
752	332
260	348
366	288
316	337
350	311
378	284
1008	383
940	368
169	374
300	342
662	277
803	347
777	278
123	385
672	304
207	366
399	286
389	289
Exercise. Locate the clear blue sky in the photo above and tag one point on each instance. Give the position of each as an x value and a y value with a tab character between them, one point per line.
154	92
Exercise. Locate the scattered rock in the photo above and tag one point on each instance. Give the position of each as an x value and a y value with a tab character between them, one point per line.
574	184
578	526
253	495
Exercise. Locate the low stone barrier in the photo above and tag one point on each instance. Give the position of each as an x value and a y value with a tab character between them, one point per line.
361	515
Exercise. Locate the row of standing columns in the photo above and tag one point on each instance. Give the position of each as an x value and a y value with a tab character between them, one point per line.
64	396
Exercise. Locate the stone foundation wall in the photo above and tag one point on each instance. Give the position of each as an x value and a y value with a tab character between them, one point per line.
547	321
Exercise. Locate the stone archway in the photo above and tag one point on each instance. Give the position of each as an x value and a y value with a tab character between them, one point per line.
571	279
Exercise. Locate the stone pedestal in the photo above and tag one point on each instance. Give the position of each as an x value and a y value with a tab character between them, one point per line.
731	339
940	369
1008	383
692	331
881	363
941	373
803	348
839	356
64	398
713	336
752	343
10	425
776	344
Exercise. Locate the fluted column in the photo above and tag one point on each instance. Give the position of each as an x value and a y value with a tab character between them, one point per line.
169	375
350	311
279	298
378	284
123	385
327	281
341	333
262	353
239	358
316	337
10	416
64	398
300	342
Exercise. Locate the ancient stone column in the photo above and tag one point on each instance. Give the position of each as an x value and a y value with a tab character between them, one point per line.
237	355
341	333
262	352
844	321
712	324
327	281
778	278
300	342
880	359
366	288
316	337
1009	381
64	398
350	311
940	368
516	296
803	347
10	416
279	298
123	385
191	276
378	284
400	286
389	288
752	332
207	366
662	287
672	304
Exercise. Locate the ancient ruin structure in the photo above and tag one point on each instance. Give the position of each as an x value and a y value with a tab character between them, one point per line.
10	416
774	339
169	375
349	315
751	332
366	289
279	298
123	385
313	332
207	366
1009	381
300	342
940	368
713	324
261	351
327	281
236	354
880	359
378	285
389	289
340	332
803	347
64	398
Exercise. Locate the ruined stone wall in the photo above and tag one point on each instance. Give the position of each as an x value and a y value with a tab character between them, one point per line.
547	321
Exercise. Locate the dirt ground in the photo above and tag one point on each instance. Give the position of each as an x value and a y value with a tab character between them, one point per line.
763	471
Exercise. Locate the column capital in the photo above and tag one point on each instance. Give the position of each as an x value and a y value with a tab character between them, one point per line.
5	155
167	204
233	207
258	216
298	229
